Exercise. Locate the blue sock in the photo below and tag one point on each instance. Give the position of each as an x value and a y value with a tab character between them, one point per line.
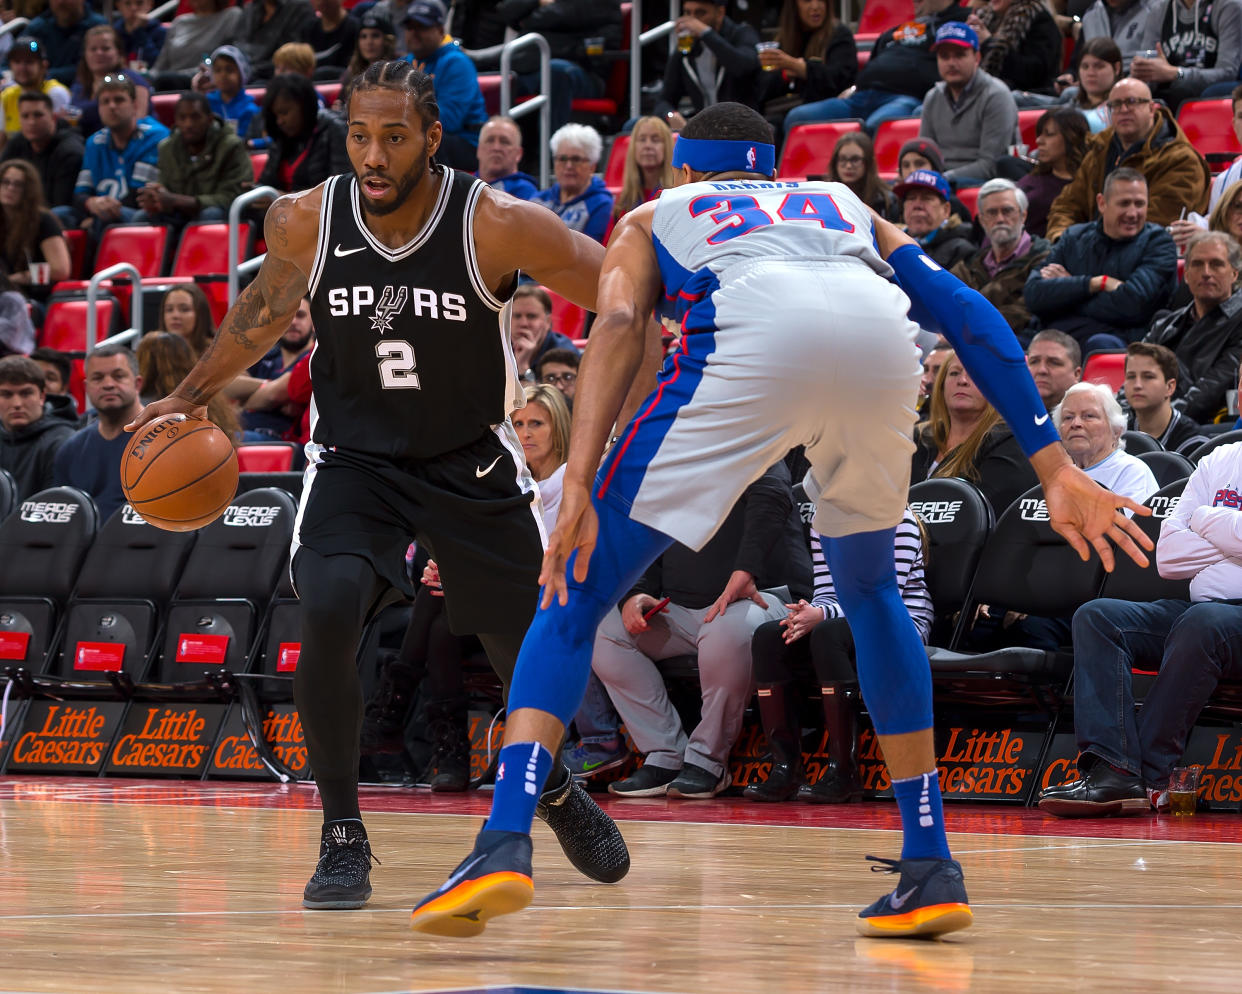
922	817
524	766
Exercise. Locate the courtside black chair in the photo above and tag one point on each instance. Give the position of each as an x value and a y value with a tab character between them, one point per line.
42	544
1167	467
290	482
1131	582
1228	438
1138	442
8	494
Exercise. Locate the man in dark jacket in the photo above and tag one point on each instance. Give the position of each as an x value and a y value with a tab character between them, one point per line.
1105	279
268	24
928	217
901	70
1000	269
32	425
59	30
1206	334
203	167
721	65
54	149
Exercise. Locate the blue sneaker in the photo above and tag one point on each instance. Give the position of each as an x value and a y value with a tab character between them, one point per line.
929	899
589	758
493	880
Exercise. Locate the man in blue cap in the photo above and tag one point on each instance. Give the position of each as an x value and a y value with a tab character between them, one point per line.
462	112
969	114
929	218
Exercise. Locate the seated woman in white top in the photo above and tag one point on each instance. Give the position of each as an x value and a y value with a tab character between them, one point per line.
1091	424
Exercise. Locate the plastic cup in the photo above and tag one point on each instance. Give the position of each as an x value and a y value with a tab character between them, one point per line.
1183	791
594	46
766	46
40	273
685	42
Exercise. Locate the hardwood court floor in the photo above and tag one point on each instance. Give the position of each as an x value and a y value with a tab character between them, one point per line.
139	886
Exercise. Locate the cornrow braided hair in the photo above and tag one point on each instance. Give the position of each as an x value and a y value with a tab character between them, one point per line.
404	78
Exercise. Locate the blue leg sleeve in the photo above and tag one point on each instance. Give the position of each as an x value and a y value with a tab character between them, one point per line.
940	302
555	660
893	671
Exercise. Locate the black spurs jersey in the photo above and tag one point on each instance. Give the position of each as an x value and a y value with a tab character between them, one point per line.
411	358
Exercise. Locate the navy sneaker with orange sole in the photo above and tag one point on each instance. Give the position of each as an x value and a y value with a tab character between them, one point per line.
495	879
929	900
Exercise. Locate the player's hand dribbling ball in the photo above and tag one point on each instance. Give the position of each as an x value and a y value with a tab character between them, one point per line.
179	472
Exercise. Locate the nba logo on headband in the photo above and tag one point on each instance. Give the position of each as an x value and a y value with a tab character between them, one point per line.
750	157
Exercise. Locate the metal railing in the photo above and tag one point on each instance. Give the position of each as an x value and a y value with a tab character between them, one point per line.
235	209
164	10
14	26
92	295
639	38
541	103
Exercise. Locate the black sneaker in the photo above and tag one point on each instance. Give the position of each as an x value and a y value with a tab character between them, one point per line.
383	721
929	899
495	879
646	781
589	838
342	880
450	756
697	784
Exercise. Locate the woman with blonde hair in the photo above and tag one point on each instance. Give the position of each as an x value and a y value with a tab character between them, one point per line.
542	428
648	164
164	360
965	437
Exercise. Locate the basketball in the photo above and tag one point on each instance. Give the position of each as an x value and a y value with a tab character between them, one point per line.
179	472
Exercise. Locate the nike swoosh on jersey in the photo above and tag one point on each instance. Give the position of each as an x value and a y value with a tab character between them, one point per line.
480	473
341	255
897	900
1041	420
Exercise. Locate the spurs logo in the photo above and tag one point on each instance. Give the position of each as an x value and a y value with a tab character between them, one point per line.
391	303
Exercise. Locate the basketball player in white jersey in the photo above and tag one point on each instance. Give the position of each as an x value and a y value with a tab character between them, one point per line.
794	332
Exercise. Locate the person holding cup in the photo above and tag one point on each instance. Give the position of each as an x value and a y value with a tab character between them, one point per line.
813	58
35	253
719	62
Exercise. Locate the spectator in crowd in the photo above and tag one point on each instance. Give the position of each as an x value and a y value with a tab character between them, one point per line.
559	368
760	542
900	72
102	56
721	64
935	357
542	428
59	31
1105	278
965	437
500	152
1055	362
29	233
1099	68
1060	141
1144	137
969	114
816	637
815	59
186	313
1193	48
1192	645
923	153
208	25
1151	381
268	24
1000	269
925	209
296	57
530	327
1222	181
52	147
90	459
120	159
1020	43
462	111
203	167
308	142
224	83
1091	424
32	425
262	423
648	164
576	74
578	196
55	366
164	360
853	163
142	37
377	41
1206	334
29	66
1126	22
1226	217
332	35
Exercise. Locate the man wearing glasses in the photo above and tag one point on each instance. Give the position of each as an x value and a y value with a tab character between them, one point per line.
1143	136
559	368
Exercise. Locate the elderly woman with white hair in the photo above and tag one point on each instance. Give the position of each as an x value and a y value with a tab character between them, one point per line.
578	196
1091	423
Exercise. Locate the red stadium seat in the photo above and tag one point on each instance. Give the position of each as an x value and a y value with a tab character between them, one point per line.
969	196
864	56
1026	124
489	84
204	248
567	318
889	137
258	160
614	168
141	245
164	107
880	15
329	92
76	238
1106	367
616	87
64	329
1209	127
808	147
264	457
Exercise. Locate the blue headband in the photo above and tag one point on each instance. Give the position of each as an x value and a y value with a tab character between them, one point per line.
709	155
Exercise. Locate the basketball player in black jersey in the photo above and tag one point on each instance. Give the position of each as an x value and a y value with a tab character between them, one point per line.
407	266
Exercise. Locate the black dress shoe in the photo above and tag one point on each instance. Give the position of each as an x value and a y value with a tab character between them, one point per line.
1102	791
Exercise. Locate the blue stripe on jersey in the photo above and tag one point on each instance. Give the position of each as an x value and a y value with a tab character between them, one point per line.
673	275
622	471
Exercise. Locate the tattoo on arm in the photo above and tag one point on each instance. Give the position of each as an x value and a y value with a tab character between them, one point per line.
273	295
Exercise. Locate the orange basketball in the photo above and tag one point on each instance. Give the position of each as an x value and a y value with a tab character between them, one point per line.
179	472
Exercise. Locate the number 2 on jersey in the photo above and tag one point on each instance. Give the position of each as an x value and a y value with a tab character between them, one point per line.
740	215
397	365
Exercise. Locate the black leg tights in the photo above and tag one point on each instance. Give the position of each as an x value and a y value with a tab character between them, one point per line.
337	595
